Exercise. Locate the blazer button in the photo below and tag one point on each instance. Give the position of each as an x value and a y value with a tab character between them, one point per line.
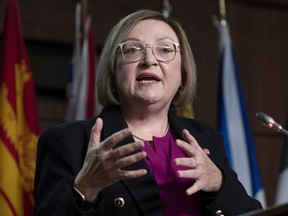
119	202
219	213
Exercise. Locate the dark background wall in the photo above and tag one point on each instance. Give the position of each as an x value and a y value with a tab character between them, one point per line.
259	31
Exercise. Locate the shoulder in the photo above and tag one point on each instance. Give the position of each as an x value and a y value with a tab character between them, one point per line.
71	127
202	132
66	135
79	129
190	124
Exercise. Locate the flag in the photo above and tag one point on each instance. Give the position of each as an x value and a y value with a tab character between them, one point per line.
234	122
81	91
73	84
186	111
19	127
282	188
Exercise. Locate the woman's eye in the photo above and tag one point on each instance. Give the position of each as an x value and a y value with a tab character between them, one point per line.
165	49
132	50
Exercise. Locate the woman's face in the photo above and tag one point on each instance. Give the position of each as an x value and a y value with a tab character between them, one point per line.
148	81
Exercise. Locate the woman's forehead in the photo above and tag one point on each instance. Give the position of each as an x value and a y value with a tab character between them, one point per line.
151	29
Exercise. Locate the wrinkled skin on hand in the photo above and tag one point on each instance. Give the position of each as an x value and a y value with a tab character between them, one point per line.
207	175
103	165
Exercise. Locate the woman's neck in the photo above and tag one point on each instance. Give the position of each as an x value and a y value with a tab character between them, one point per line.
146	124
150	140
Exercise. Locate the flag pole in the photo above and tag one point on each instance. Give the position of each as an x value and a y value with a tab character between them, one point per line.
222	9
84	11
85	16
166	9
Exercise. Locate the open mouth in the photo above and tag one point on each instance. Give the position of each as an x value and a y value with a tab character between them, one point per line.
148	78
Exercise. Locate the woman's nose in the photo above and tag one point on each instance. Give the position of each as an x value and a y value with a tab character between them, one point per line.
149	57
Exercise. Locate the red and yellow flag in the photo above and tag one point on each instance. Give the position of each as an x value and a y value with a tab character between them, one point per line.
19	127
186	111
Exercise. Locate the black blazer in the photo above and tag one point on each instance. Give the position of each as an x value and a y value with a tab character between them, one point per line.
60	155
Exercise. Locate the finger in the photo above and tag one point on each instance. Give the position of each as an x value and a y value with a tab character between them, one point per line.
190	150
191	173
190	139
96	132
115	138
188	162
125	150
128	160
132	174
194	188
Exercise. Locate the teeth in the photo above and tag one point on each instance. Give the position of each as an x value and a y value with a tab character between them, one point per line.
146	81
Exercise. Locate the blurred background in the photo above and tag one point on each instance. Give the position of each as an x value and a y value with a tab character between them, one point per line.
259	32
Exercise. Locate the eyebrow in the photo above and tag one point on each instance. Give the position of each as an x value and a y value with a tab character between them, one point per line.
157	40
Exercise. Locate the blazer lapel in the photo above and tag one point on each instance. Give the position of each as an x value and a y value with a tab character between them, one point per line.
204	140
143	189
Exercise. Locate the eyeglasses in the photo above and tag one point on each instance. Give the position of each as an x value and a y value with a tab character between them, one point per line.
133	51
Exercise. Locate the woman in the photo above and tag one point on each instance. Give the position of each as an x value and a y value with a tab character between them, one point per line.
137	157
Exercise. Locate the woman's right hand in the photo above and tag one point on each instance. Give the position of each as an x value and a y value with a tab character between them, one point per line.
103	164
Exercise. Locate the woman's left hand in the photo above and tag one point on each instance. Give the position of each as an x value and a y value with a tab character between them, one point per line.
207	175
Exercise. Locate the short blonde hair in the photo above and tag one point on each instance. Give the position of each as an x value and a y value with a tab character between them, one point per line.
107	94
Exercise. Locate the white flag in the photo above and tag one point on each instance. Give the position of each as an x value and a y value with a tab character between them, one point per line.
233	120
83	103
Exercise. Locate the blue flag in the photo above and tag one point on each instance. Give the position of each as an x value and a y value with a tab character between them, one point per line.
233	120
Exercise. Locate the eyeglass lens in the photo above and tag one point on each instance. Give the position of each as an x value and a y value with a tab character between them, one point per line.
133	51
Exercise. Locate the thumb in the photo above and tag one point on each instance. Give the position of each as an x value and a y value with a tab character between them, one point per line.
96	133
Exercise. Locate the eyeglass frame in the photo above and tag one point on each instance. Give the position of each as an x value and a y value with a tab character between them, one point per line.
176	44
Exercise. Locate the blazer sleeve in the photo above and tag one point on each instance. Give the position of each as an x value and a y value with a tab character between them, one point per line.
232	199
60	155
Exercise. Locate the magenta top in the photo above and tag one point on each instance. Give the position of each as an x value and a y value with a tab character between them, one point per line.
171	188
